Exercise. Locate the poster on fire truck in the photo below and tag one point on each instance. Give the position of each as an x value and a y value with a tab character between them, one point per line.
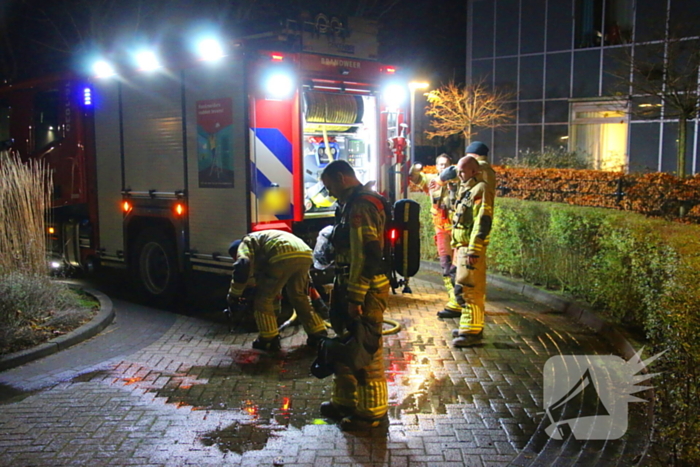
215	143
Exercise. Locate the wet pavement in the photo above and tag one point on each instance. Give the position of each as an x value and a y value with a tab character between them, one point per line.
158	388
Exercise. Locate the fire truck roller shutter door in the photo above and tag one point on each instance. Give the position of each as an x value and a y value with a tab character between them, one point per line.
157	271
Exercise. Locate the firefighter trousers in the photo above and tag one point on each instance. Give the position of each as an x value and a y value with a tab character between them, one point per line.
293	275
472	282
443	238
368	398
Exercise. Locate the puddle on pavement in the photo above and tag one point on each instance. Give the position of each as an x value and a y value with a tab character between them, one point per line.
239	438
270	394
417	389
431	396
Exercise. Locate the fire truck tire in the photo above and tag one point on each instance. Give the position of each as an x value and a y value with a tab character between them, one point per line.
156	267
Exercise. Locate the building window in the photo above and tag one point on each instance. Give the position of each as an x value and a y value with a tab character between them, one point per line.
589	22
589	16
599	133
618	21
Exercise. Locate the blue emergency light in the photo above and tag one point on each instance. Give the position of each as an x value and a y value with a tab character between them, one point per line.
87	96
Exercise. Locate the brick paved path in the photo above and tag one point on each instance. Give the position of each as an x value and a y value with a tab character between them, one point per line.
159	389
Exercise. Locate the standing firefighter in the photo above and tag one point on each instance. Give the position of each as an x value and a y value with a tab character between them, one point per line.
442	195
470	236
272	260
480	152
360	293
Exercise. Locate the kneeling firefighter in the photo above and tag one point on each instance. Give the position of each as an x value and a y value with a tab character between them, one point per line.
360	293
273	260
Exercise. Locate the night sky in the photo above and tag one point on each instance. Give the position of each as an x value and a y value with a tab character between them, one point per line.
431	36
42	36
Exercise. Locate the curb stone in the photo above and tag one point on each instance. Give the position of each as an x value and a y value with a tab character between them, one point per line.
104	317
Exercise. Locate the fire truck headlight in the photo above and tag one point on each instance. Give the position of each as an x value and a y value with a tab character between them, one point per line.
279	85
394	95
210	49
55	265
103	69
147	60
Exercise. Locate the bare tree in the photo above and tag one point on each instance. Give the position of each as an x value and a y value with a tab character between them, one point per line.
459	110
664	76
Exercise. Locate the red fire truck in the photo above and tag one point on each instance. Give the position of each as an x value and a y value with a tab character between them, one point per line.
158	170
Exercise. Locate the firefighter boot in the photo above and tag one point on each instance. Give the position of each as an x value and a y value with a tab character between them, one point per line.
356	423
467	340
449	313
269	345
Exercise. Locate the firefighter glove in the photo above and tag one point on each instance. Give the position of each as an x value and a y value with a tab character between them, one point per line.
241	270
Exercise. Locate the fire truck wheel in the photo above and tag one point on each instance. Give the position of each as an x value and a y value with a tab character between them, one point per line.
156	266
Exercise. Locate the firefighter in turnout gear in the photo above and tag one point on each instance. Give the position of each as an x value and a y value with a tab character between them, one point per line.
272	260
470	236
442	197
360	293
480	152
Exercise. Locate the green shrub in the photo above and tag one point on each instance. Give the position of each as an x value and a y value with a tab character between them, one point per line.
34	308
428	250
550	158
26	298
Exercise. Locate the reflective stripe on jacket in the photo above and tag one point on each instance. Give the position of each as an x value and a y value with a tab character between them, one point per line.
473	217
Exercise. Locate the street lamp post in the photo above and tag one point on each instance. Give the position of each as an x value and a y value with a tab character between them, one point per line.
410	156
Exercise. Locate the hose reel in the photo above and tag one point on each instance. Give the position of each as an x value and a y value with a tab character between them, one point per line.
329	108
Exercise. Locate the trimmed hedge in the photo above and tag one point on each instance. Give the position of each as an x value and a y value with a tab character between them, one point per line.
654	194
639	272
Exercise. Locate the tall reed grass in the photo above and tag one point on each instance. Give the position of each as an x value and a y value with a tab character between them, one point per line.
25	202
